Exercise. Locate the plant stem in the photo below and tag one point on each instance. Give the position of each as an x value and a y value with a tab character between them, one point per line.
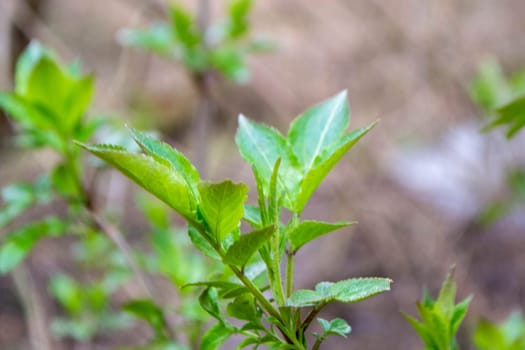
257	294
278	283
311	316
290	267
317	344
118	239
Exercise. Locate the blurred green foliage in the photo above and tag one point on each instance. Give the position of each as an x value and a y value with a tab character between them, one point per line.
222	46
440	318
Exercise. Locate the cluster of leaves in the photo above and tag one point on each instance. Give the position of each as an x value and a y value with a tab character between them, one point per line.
172	257
509	335
500	97
48	106
87	308
502	101
440	318
221	47
287	171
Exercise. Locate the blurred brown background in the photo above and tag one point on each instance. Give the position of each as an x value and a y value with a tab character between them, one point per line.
415	184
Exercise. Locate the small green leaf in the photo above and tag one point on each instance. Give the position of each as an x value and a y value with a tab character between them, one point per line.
230	62
222	205
252	215
238	11
156	178
21	241
489	88
67	292
147	311
307	231
157	39
184	27
202	244
216	336
247	245
65	181
25	64
337	326
244	308
209	300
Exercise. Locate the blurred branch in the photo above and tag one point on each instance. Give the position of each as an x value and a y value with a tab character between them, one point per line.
37	322
205	118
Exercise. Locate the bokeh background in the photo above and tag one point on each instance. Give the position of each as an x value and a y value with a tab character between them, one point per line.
417	184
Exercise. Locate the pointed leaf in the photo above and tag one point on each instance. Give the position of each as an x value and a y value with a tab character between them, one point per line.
307	231
202	244
261	146
244	308
216	336
156	178
147	311
247	245
209	301
222	205
320	127
318	171
357	289
304	298
163	152
337	326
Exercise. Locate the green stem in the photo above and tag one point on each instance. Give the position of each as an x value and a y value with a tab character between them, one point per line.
290	267
317	344
278	283
261	299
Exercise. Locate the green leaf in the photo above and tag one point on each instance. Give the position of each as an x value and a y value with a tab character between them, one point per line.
202	244
321	168
222	205
244	308
441	318
512	114
20	196
209	300
337	326
319	128
24	112
347	291
252	215
21	241
65	182
489	88
247	245
307	231
25	64
184	27
162	152
147	311
357	289
216	336
156	178
230	62
261	146
238	11
157	39
67	292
